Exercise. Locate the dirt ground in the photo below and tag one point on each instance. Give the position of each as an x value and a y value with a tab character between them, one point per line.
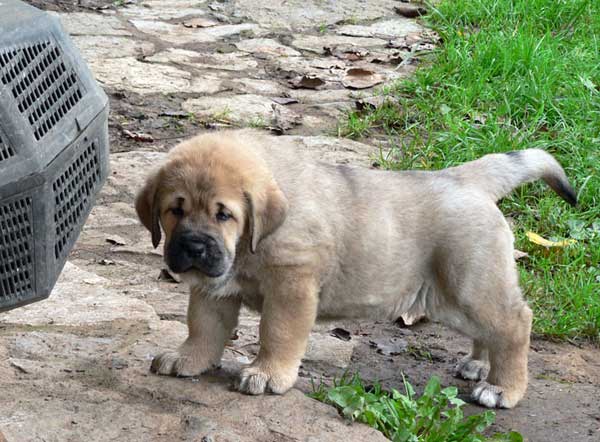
75	367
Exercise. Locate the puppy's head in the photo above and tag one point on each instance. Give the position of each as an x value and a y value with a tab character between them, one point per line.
212	198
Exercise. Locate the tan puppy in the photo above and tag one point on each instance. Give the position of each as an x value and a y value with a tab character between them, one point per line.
247	220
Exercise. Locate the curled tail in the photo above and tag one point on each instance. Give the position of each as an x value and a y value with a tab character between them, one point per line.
499	174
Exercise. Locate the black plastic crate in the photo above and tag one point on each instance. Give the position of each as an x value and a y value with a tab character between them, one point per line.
53	150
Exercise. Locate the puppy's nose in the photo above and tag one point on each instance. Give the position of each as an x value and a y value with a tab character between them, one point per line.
195	247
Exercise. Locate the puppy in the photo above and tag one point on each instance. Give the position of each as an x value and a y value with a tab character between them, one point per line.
248	220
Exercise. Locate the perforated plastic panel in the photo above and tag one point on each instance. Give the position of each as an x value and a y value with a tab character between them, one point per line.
16	254
44	87
53	150
72	195
5	150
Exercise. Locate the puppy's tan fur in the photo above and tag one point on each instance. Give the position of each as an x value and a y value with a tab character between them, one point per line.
312	240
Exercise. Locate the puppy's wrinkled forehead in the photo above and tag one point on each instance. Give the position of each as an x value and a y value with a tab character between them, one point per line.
206	170
203	180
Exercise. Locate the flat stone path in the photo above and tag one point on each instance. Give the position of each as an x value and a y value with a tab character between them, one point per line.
75	367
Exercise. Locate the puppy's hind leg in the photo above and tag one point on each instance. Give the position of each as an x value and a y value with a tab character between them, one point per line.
475	366
508	343
493	313
480	297
210	323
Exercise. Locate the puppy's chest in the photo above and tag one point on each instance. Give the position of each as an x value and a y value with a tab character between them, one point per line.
250	293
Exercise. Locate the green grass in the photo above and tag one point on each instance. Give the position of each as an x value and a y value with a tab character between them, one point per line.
514	74
436	416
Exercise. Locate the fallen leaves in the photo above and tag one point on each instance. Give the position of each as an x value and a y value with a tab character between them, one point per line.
389	346
410	10
175	114
414	42
370	103
476	118
199	22
107	262
541	241
138	136
136	250
168	276
116	240
309	81
346	52
393	58
340	333
360	78
17	363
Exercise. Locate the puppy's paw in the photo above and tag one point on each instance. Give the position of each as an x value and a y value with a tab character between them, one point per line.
257	379
491	396
472	369
176	363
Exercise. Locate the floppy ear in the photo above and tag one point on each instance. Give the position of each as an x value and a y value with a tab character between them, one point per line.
147	207
266	212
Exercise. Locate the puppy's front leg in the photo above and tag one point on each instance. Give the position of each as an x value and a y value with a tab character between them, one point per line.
288	315
210	323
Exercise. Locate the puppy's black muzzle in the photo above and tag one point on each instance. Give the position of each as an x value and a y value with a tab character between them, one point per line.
192	250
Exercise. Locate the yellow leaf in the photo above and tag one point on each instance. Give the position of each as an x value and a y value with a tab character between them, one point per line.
537	239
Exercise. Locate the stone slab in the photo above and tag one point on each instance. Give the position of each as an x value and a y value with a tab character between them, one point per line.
240	109
87	23
80	298
389	29
232	61
132	75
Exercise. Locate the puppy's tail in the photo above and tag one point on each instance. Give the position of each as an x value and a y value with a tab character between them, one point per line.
499	174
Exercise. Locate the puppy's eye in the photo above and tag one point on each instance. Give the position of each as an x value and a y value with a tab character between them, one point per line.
223	216
177	211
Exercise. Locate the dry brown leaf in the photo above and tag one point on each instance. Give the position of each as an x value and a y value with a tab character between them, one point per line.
137	136
359	78
410	11
106	262
134	250
422	47
370	103
116	240
389	346
340	333
346	52
398	43
168	276
394	58
479	118
352	56
199	22
327	64
307	82
174	114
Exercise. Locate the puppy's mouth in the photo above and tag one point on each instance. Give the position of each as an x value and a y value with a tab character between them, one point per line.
198	253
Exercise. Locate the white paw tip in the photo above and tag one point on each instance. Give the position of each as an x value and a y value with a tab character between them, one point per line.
488	395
